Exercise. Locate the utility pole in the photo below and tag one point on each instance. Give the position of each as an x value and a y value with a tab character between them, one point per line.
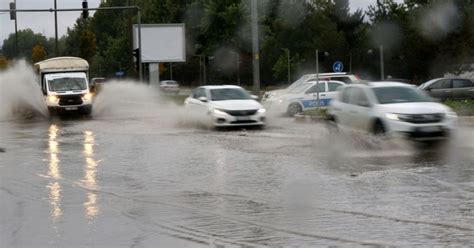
56	53
255	48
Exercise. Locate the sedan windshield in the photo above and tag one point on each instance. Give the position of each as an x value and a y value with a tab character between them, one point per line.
387	95
67	84
229	94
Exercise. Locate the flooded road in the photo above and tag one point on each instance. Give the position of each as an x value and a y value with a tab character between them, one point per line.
149	181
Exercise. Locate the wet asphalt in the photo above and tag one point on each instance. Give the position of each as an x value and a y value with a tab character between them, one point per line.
147	180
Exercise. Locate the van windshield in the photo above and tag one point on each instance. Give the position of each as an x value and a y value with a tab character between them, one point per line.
66	82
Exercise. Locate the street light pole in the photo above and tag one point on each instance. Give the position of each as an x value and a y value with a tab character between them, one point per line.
289	70
238	68
255	48
16	33
55	29
317	76
171	70
381	63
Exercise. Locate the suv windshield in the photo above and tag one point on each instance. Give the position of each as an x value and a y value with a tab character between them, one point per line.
387	95
67	84
229	94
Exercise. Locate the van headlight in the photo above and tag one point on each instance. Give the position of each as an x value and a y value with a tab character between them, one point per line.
87	97
261	110
53	99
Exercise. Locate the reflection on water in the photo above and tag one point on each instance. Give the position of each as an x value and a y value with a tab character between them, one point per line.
90	176
54	173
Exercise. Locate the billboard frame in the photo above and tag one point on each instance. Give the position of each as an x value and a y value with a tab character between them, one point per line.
167	25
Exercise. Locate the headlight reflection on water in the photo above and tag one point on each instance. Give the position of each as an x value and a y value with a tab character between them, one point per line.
90	176
55	173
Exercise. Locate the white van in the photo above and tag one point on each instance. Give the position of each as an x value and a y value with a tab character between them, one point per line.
65	85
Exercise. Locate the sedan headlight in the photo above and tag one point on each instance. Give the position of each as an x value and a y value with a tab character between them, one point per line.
392	116
218	112
261	110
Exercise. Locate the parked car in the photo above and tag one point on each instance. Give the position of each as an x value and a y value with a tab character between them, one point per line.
169	86
336	76
449	88
391	108
227	105
304	96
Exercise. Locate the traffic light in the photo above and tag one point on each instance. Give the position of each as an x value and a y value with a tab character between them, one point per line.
136	56
85	9
12	11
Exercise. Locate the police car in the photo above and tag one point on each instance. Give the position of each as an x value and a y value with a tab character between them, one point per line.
304	96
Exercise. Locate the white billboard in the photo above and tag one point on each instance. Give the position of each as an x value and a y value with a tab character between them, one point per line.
161	42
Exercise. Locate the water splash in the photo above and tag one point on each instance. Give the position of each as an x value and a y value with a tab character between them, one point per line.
20	94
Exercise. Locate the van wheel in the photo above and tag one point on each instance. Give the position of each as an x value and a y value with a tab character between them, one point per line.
85	110
294	109
378	129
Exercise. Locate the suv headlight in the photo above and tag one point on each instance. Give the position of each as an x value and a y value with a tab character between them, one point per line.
451	114
392	116
261	110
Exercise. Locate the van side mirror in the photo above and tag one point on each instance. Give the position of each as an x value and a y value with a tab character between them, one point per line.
202	99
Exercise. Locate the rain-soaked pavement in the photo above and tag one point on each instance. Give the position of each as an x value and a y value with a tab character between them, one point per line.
144	179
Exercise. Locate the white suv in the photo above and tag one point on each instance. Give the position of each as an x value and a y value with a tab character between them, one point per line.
391	108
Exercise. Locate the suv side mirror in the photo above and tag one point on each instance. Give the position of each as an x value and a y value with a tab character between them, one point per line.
202	99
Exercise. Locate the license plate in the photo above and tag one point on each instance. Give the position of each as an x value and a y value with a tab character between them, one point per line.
71	108
243	118
430	129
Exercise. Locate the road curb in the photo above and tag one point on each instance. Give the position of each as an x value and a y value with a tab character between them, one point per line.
309	118
464	120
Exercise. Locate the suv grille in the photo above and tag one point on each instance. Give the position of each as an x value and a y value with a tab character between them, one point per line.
241	112
422	118
70	100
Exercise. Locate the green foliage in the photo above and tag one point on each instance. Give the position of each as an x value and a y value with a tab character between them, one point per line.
38	53
316	112
80	40
27	39
461	107
418	43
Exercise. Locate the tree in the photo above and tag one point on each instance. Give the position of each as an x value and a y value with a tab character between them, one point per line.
27	39
80	40
38	53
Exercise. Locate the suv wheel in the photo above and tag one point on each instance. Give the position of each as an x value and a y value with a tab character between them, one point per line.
378	129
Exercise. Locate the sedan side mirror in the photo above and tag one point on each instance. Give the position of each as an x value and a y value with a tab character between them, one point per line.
254	97
202	99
